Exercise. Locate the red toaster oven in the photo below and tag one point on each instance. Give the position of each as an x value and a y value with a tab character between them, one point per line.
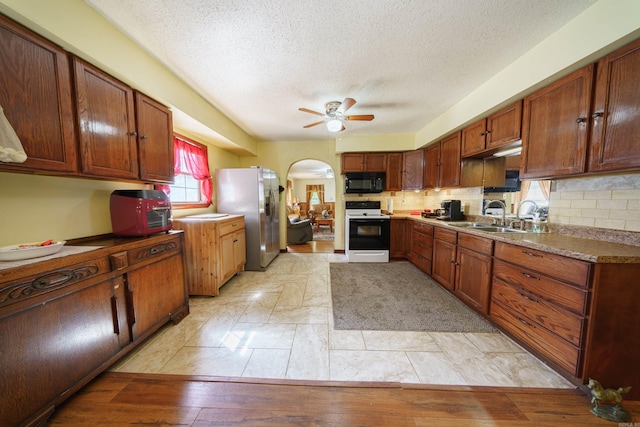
140	212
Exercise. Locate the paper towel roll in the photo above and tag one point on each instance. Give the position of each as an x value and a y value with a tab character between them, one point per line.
389	206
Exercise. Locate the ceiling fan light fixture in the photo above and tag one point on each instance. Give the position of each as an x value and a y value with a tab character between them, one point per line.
334	125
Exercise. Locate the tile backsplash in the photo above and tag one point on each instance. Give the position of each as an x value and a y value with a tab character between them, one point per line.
611	201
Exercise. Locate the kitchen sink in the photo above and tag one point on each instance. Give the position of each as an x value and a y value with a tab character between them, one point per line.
485	227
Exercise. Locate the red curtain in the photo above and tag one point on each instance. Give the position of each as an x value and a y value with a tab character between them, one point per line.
196	164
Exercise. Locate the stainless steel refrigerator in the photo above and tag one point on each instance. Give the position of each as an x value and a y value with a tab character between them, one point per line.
254	193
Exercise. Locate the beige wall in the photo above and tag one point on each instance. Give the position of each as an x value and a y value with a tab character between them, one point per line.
280	155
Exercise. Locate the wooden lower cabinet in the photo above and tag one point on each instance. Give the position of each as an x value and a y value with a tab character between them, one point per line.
473	271
422	246
444	257
215	251
65	320
579	316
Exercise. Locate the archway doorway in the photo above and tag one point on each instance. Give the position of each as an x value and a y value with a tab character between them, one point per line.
310	199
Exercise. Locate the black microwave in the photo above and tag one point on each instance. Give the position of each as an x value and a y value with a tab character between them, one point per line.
364	182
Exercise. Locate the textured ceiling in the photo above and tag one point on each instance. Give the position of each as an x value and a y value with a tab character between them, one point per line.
406	61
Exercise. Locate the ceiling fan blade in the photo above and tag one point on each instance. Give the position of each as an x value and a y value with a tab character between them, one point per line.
306	110
365	117
346	104
313	124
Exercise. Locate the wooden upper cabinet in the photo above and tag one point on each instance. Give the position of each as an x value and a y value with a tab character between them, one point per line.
474	137
500	129
375	162
615	137
394	172
432	166
155	140
555	127
450	161
504	126
413	170
35	93
106	119
352	162
364	162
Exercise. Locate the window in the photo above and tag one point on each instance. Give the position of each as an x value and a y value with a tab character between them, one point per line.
192	185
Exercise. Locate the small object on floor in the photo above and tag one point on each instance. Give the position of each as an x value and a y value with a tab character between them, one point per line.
607	402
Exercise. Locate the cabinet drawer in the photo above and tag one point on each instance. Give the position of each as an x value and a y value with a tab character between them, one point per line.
157	250
423	228
231	226
446	235
561	322
41	284
421	262
422	245
557	266
573	299
476	243
547	344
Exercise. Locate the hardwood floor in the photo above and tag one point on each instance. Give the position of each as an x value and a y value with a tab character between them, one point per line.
124	399
313	246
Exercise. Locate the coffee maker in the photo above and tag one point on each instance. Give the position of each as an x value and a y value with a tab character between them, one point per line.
451	210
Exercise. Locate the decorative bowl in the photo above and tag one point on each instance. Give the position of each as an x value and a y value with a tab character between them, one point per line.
29	250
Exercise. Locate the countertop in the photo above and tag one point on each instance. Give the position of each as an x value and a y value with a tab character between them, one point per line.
592	250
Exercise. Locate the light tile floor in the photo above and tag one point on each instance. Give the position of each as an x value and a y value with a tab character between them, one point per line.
278	324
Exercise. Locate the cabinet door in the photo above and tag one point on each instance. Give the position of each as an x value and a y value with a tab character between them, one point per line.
240	249
352	162
615	137
106	119
473	138
375	162
394	172
504	126
396	242
444	263
555	127
155	292
155	140
413	169
49	348
35	93
473	279
450	161
432	166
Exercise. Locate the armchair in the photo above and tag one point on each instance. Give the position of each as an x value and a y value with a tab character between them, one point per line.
299	231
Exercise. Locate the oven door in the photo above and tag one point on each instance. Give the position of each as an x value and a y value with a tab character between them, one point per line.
366	233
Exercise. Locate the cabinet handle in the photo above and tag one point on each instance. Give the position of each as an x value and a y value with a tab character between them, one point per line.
528	297
581	120
453	261
143	137
529	276
524	322
531	254
596	115
114	314
487	132
483	134
134	133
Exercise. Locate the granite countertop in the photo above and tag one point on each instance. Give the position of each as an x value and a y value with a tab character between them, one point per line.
560	243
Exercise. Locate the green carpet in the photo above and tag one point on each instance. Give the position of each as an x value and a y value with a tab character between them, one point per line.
396	296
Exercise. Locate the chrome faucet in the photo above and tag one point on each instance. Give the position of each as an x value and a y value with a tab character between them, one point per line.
504	210
535	205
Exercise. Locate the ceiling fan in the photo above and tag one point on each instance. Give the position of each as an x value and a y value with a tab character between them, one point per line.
335	115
